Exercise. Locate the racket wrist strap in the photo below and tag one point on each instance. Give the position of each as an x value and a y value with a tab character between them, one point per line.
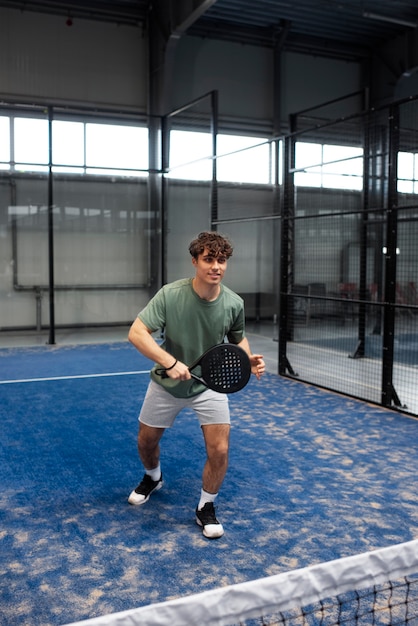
170	368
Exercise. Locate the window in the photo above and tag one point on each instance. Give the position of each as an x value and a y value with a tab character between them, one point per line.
122	150
331	166
342	167
111	146
77	147
308	158
407	172
240	159
4	143
67	146
247	160
31	149
190	155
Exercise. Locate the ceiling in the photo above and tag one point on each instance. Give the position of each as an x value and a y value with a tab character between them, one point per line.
337	28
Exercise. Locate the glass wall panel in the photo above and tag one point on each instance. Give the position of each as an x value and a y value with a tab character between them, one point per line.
23	252
75	246
253	271
188	214
242	204
249	214
101	251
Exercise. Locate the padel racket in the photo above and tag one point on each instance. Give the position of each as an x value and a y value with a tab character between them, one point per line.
224	368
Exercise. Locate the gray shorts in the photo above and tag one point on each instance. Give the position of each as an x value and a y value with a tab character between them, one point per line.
160	408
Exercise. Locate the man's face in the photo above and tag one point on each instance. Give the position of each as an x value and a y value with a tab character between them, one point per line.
210	269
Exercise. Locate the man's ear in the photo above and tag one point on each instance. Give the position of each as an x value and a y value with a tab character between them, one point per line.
194	260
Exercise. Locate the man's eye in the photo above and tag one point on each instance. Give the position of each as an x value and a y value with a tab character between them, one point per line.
210	259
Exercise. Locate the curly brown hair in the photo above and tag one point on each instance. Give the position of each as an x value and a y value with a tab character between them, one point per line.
215	243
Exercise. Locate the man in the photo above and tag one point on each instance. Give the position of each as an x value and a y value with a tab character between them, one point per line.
196	314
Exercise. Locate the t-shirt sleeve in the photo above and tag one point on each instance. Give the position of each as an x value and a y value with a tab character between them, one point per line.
237	331
154	314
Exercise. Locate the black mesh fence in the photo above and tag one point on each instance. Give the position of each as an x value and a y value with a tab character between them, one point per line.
349	296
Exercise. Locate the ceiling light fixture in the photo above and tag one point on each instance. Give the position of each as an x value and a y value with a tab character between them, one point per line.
391	20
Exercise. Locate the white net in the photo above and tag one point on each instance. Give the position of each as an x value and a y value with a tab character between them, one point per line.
378	587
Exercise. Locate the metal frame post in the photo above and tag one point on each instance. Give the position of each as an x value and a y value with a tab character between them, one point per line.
51	339
389	395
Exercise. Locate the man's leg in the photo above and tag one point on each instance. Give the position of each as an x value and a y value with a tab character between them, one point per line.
149	445
149	453
217	446
158	412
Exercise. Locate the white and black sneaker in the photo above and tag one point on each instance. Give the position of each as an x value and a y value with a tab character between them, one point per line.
206	518
146	487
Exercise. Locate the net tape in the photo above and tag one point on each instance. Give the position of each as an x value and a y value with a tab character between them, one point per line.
237	604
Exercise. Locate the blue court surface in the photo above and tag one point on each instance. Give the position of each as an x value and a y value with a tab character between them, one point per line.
313	476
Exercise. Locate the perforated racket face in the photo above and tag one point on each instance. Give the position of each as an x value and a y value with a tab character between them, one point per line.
226	368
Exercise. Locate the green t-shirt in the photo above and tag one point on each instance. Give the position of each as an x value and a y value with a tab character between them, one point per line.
192	326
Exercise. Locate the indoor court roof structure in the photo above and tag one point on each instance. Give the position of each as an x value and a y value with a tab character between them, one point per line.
350	28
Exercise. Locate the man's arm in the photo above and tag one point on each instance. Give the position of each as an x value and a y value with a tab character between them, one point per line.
141	337
258	366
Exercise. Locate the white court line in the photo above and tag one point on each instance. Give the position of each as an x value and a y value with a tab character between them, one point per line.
37	380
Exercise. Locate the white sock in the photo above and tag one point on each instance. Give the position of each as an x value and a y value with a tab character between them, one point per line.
205	496
154	473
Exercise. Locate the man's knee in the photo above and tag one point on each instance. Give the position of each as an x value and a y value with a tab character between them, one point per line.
149	437
217	441
219	448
